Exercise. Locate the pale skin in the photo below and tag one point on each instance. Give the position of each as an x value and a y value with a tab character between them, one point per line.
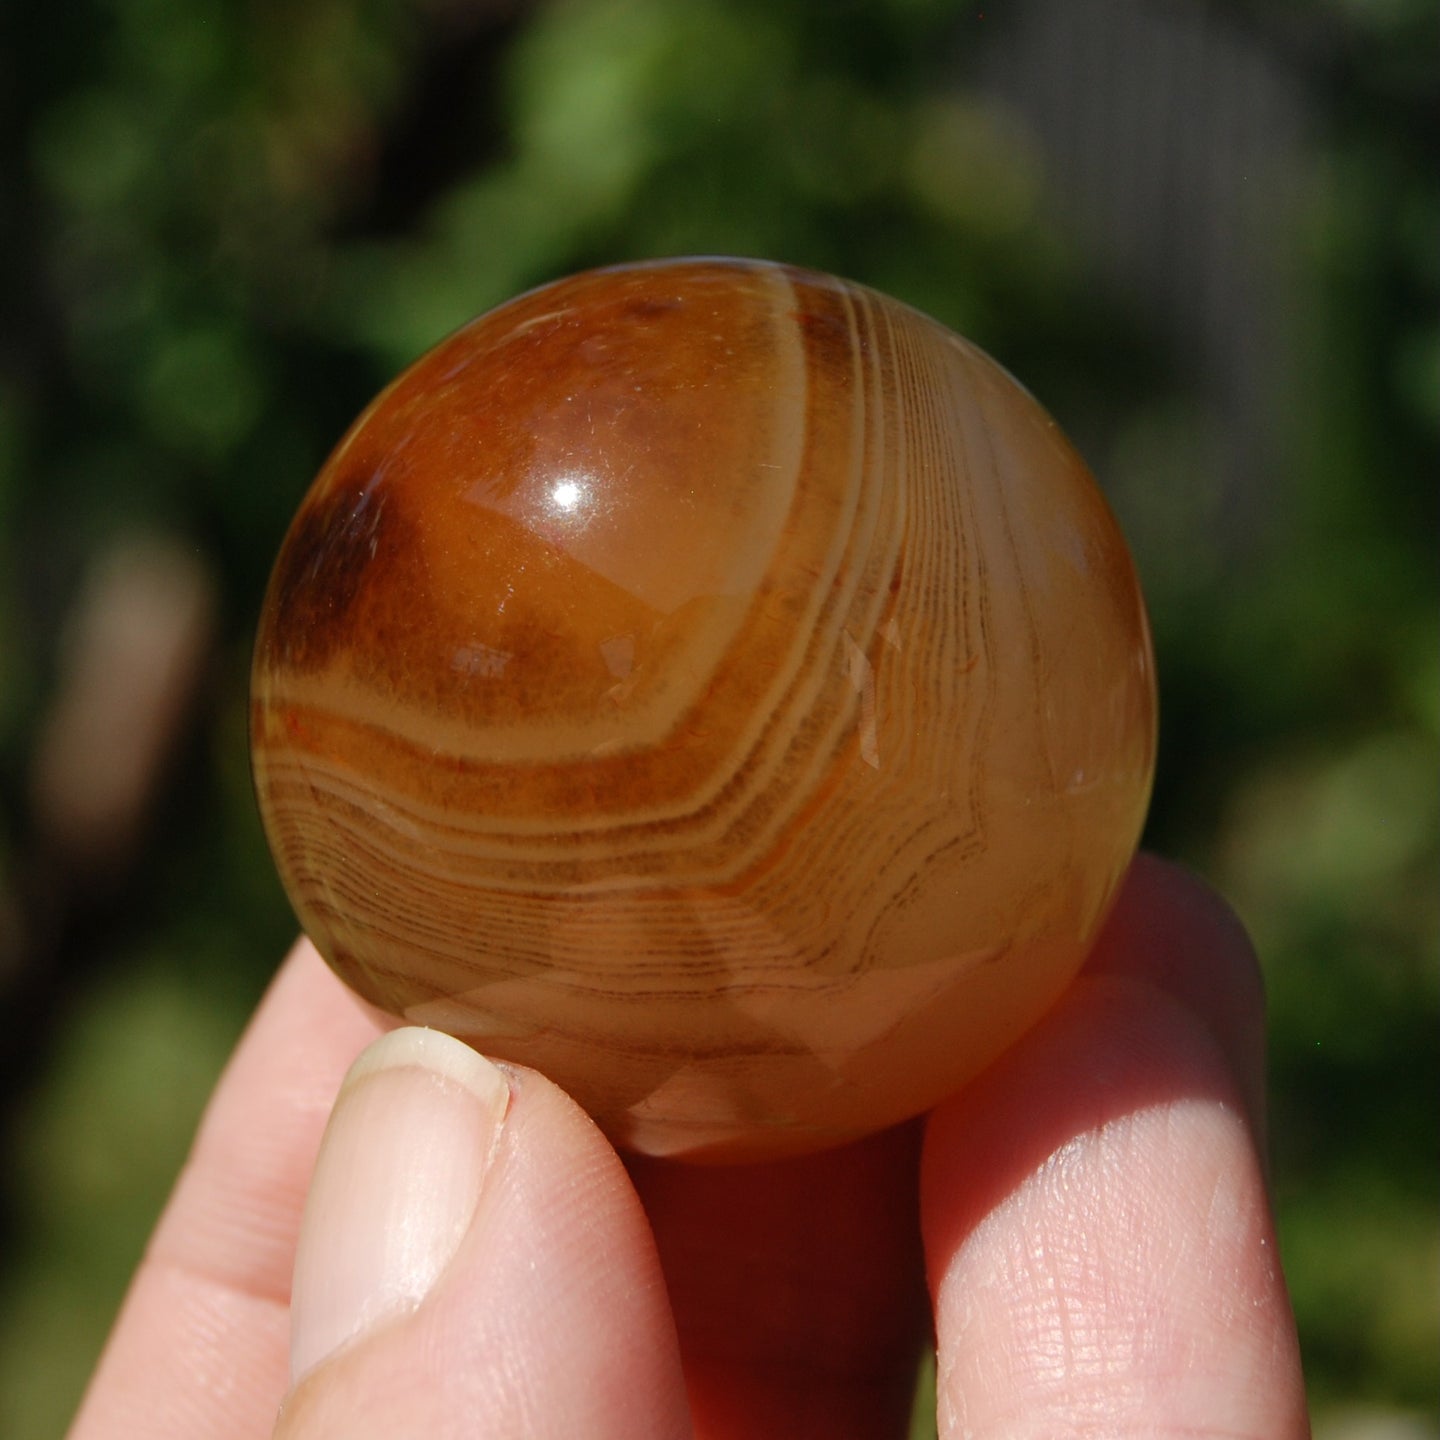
1086	1228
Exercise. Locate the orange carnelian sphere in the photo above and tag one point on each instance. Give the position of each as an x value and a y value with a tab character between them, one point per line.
717	686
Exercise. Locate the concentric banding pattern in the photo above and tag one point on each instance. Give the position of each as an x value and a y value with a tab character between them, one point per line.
715	684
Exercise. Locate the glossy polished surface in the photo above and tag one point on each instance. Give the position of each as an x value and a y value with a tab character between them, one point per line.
715	685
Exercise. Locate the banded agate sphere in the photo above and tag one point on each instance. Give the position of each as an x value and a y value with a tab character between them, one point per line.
715	685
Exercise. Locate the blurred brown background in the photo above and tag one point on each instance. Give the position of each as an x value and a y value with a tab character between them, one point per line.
1205	236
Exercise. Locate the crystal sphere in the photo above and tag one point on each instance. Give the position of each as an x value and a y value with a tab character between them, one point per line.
716	685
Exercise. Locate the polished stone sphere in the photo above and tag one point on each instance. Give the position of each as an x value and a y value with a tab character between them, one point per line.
716	685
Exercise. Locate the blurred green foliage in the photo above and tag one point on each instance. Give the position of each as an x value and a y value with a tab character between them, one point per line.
225	225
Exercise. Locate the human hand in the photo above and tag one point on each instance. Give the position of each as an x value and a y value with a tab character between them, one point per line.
476	1260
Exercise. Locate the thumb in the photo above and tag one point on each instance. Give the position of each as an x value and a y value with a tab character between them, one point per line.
473	1260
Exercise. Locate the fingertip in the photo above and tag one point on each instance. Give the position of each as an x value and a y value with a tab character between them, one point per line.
1098	1237
396	1184
546	1313
1171	930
